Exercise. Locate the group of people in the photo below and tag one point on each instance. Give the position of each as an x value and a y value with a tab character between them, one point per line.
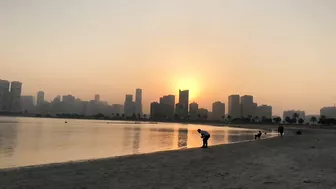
205	135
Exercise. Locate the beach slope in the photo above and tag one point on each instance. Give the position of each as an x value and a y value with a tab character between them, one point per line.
306	161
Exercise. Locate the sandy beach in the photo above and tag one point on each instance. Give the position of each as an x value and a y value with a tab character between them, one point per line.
306	161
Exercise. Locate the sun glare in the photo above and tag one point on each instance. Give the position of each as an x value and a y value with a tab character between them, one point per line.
189	84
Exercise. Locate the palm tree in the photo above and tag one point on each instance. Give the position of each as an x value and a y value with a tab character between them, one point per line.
144	116
277	119
301	121
313	119
123	116
199	116
295	117
223	118
288	120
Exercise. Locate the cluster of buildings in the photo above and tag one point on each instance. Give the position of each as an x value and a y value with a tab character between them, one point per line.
166	108
239	107
245	107
131	107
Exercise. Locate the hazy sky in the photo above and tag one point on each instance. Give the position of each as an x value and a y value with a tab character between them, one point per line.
281	51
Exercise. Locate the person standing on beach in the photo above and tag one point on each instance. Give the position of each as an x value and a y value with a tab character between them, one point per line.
281	130
205	135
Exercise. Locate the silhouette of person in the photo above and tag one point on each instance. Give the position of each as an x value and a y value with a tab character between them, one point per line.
281	130
205	135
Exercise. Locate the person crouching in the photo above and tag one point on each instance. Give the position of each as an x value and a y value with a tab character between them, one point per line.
205	135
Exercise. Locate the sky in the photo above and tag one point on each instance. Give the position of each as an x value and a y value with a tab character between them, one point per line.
280	51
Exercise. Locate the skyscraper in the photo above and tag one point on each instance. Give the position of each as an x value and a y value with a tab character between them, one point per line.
40	98
234	106
218	110
328	112
129	108
15	96
182	106
193	110
247	106
167	104
4	95
138	101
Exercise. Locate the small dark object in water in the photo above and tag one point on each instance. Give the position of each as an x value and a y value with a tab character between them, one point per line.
298	133
66	122
265	133
257	136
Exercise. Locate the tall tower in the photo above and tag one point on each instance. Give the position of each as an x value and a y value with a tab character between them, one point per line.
138	101
182	106
234	106
247	106
40	98
218	110
129	105
4	95
15	96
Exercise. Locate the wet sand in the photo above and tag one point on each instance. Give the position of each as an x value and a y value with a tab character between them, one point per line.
306	161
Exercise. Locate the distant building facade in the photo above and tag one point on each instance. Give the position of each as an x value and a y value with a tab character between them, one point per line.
40	98
264	111
15	96
138	101
167	104
328	112
27	104
183	104
4	95
129	108
218	111
234	109
193	111
247	106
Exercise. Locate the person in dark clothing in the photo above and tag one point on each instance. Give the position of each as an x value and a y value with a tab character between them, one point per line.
205	135
281	130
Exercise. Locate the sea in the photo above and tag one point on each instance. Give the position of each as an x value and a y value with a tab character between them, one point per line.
38	141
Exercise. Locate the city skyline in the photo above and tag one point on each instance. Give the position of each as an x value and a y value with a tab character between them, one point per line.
213	48
138	92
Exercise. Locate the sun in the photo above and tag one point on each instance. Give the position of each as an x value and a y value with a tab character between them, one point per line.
190	84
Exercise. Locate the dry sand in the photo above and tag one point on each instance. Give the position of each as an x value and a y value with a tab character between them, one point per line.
307	161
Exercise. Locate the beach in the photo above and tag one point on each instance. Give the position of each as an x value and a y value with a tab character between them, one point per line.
306	161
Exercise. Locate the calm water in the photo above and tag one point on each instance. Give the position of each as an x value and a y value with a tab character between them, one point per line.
33	141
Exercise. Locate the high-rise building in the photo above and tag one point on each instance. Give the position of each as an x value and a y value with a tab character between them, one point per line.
193	110
40	98
264	111
234	106
167	104
155	111
247	106
129	108
97	98
138	101
27	103
15	96
182	106
328	112
218	110
4	95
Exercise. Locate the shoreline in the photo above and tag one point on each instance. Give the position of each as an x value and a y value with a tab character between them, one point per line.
305	161
117	157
